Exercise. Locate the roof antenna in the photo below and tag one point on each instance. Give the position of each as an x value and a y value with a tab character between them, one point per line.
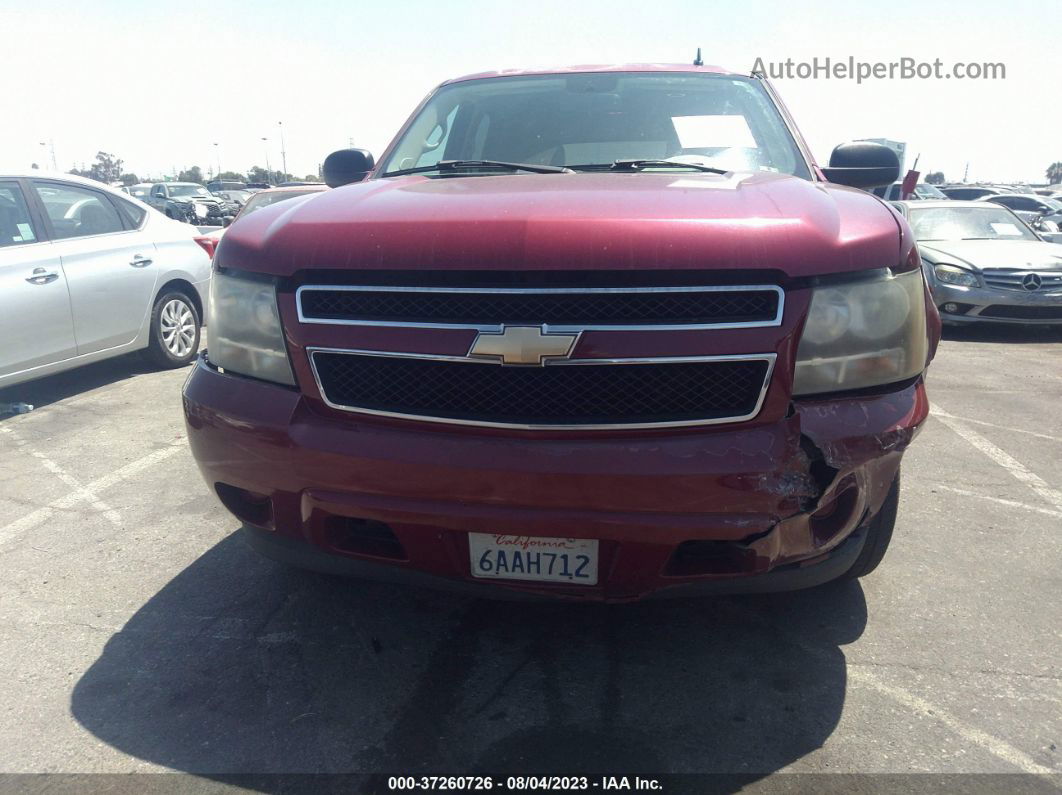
697	61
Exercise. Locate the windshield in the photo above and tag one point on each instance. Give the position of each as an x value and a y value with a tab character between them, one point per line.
140	191
188	190
967	223
724	121
266	198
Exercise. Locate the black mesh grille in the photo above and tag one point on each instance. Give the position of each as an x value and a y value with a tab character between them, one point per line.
580	308
1023	312
551	395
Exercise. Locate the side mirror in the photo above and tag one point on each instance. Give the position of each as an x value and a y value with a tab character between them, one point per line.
345	166
860	164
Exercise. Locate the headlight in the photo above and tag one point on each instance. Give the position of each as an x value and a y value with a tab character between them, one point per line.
244	334
863	334
953	274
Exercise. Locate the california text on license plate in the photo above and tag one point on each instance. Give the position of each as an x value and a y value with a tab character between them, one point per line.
567	560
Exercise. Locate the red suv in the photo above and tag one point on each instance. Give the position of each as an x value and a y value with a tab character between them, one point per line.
596	333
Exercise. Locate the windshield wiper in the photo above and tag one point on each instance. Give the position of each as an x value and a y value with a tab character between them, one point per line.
639	165
458	165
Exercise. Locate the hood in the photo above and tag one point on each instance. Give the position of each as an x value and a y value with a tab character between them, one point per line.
979	254
595	221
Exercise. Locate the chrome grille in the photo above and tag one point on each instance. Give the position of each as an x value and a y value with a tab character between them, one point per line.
1011	279
559	308
565	394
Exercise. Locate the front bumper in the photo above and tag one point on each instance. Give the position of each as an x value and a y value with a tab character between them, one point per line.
986	304
775	505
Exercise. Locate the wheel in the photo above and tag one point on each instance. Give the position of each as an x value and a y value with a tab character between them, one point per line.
174	337
879	534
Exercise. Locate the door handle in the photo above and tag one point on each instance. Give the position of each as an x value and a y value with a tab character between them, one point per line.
42	276
140	262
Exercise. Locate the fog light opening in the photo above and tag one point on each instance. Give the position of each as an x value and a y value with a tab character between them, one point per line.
362	537
953	308
247	506
836	513
694	558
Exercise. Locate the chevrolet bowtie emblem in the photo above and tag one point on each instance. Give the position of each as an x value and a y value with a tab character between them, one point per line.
522	345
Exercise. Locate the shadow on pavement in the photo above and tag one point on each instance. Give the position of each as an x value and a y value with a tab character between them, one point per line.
53	388
1000	332
241	666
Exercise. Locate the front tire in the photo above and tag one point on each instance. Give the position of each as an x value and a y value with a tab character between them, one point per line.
879	534
175	330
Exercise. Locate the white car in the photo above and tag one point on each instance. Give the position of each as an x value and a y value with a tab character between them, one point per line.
88	272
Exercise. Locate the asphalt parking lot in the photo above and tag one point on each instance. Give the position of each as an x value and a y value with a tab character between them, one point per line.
139	635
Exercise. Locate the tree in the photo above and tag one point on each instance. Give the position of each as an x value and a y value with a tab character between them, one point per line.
257	174
935	178
193	174
107	168
1054	173
311	178
129	179
232	176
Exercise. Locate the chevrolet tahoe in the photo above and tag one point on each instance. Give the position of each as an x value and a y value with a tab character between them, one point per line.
596	333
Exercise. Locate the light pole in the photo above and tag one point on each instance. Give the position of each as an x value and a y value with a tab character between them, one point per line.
265	142
217	156
283	154
51	142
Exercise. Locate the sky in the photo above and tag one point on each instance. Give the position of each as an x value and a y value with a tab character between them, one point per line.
159	84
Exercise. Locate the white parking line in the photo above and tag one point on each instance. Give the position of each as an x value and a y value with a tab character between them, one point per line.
1001	457
108	512
939	412
87	493
863	674
994	745
999	500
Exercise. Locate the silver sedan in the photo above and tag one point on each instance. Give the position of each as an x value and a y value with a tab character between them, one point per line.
88	272
983	263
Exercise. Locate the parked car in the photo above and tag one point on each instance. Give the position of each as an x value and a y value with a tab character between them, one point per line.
1029	206
190	202
968	192
236	197
216	186
87	272
267	198
141	191
579	334
983	264
894	192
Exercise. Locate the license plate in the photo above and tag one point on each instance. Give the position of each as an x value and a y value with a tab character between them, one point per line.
503	557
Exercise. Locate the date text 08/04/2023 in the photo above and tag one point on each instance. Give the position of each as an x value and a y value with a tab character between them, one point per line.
522	783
